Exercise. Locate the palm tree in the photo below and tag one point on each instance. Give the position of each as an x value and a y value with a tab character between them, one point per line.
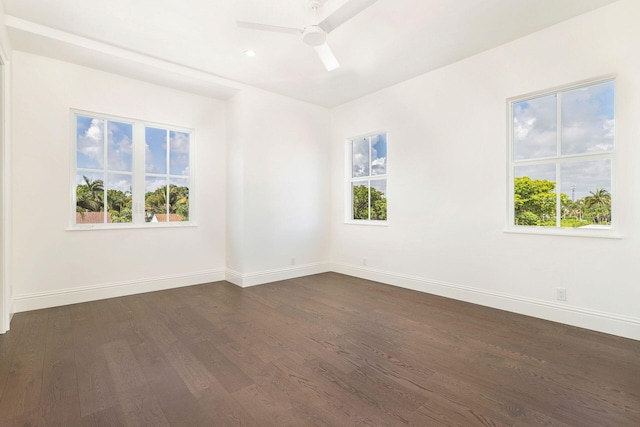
89	196
600	203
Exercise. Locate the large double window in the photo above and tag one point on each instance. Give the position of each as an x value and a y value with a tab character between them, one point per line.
562	159
130	172
368	178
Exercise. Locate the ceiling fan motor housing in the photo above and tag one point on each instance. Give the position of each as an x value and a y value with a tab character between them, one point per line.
314	36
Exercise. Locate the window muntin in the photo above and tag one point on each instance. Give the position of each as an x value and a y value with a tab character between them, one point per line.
562	158
119	166
368	180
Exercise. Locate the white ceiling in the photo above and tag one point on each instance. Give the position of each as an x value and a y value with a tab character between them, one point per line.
195	45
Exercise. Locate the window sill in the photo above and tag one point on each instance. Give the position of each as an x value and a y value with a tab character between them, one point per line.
131	226
608	233
367	222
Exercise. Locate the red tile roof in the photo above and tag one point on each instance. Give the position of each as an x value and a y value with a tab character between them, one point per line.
172	217
92	218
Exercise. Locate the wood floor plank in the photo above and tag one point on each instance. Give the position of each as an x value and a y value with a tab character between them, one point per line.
322	350
23	388
220	366
95	384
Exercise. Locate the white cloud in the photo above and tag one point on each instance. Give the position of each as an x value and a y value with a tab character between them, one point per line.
534	128
120	153
91	145
379	166
123	185
179	142
360	157
151	184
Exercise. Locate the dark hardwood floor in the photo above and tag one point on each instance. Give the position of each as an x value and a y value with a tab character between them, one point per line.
324	350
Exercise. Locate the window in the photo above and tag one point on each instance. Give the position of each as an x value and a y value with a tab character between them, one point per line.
562	159
129	172
368	178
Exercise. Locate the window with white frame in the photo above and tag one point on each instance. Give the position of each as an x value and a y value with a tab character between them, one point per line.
128	172
562	159
368	178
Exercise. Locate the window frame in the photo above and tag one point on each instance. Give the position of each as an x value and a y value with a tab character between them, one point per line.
558	160
138	173
350	180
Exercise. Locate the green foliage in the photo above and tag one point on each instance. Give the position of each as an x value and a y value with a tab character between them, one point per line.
89	196
156	202
599	206
361	205
573	223
535	204
534	201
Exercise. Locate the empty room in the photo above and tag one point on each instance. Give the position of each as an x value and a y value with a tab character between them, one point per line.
320	213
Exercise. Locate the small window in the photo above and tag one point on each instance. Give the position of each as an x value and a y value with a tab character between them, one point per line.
562	159
368	178
128	172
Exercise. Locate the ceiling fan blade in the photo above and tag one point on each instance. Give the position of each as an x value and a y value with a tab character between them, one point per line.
327	57
263	27
347	11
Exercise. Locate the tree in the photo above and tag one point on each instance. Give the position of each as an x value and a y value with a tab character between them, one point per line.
598	204
156	202
362	205
179	201
534	201
90	195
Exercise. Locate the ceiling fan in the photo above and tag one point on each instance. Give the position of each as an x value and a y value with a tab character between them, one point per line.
315	35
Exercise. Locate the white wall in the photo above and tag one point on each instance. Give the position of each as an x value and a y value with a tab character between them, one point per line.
278	187
447	133
52	265
5	166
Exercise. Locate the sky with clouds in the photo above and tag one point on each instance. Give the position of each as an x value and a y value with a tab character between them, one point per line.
586	126
90	155
156	157
362	165
90	134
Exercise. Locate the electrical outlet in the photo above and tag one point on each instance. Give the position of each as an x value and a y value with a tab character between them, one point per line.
293	260
364	261
561	294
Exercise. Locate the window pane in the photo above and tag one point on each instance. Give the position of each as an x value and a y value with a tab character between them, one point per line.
179	200
89	143
360	199
90	198
179	153
535	195
156	150
586	193
120	146
379	154
360	157
155	199
587	119
534	128
379	199
119	197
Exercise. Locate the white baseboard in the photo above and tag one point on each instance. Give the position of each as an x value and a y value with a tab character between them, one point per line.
624	326
267	276
38	300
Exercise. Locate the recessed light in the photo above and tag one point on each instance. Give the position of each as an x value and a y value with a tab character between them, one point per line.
250	52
